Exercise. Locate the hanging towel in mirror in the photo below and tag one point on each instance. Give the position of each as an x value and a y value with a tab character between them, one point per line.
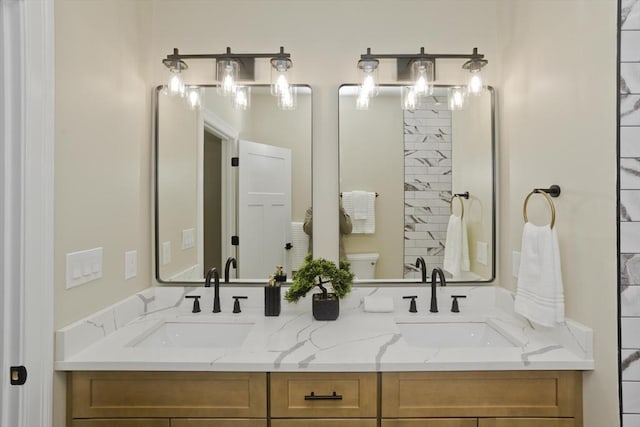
366	225
540	296
456	247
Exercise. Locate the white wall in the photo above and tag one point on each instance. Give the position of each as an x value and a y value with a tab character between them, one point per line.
557	126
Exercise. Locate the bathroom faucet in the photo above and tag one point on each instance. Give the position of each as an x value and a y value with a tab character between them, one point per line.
434	300
423	268
230	261
216	287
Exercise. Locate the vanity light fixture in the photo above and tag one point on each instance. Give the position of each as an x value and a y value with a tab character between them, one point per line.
420	70
234	67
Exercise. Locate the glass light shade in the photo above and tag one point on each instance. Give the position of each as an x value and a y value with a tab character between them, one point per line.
368	70
242	98
176	84
193	97
475	85
362	101
287	100
409	98
457	98
422	74
227	76
281	76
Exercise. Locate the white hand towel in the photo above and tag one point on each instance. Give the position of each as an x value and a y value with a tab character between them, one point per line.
456	247
362	226
378	304
540	296
360	204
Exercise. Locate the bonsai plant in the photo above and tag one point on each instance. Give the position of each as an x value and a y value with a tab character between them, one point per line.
319	272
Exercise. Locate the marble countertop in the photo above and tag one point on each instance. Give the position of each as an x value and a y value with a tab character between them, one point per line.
294	341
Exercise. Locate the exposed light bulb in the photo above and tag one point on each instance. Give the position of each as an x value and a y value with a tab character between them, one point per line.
475	85
241	99
287	99
193	98
227	70
282	85
281	76
409	98
176	85
368	70
362	101
422	71
457	98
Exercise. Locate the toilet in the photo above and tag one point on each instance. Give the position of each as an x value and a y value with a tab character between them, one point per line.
363	265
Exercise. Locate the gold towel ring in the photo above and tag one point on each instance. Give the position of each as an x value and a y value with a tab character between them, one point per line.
459	197
551	205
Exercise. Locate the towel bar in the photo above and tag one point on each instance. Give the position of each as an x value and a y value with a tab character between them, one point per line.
459	196
546	196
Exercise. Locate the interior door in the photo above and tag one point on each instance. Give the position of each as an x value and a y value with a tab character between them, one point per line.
264	202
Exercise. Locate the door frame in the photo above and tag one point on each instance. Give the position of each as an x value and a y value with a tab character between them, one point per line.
26	209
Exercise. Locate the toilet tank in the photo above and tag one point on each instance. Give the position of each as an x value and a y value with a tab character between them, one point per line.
363	265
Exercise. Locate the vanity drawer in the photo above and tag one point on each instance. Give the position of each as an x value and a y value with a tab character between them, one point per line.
120	422
108	394
432	422
324	423
356	395
217	422
527	422
481	394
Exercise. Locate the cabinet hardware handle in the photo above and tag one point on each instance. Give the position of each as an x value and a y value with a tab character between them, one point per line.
333	396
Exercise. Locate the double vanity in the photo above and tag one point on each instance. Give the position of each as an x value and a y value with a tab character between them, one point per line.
150	361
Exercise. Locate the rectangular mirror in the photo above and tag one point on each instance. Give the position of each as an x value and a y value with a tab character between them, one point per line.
399	170
231	183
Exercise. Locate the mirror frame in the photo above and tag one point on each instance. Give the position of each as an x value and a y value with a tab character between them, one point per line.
156	211
494	177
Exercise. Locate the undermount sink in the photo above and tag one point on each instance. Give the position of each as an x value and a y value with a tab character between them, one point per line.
453	335
194	334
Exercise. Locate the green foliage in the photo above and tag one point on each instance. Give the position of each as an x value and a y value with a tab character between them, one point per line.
317	272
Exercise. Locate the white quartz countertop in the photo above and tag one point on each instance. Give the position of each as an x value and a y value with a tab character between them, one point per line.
294	341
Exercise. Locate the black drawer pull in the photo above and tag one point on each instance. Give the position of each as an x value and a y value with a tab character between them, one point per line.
333	396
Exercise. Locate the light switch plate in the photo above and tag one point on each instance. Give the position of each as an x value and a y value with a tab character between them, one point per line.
482	249
166	253
83	267
130	264
515	263
188	238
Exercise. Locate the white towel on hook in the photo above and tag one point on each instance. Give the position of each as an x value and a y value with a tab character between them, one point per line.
540	295
366	225
456	247
361	204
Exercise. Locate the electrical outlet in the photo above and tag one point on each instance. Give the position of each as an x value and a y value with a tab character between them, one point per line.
515	263
130	264
166	253
482	250
188	238
83	267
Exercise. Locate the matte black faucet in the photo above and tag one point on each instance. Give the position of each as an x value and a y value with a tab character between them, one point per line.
216	287
434	300
230	261
423	268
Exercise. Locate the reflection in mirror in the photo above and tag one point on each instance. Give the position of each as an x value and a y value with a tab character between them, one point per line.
231	183
398	172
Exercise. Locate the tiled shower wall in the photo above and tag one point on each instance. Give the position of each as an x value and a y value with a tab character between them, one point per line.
630	210
427	187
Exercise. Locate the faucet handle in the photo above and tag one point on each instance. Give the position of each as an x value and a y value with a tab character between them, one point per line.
196	303
454	304
412	305
236	303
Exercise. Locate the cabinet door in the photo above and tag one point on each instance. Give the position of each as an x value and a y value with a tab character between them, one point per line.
552	394
431	422
324	423
217	422
324	395
121	422
527	422
167	394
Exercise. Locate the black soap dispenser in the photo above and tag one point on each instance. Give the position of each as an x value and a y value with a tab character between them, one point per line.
272	298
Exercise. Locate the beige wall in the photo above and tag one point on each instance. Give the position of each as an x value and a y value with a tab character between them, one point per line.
177	182
471	153
558	126
372	159
102	152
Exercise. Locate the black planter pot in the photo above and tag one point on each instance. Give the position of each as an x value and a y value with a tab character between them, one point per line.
325	308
